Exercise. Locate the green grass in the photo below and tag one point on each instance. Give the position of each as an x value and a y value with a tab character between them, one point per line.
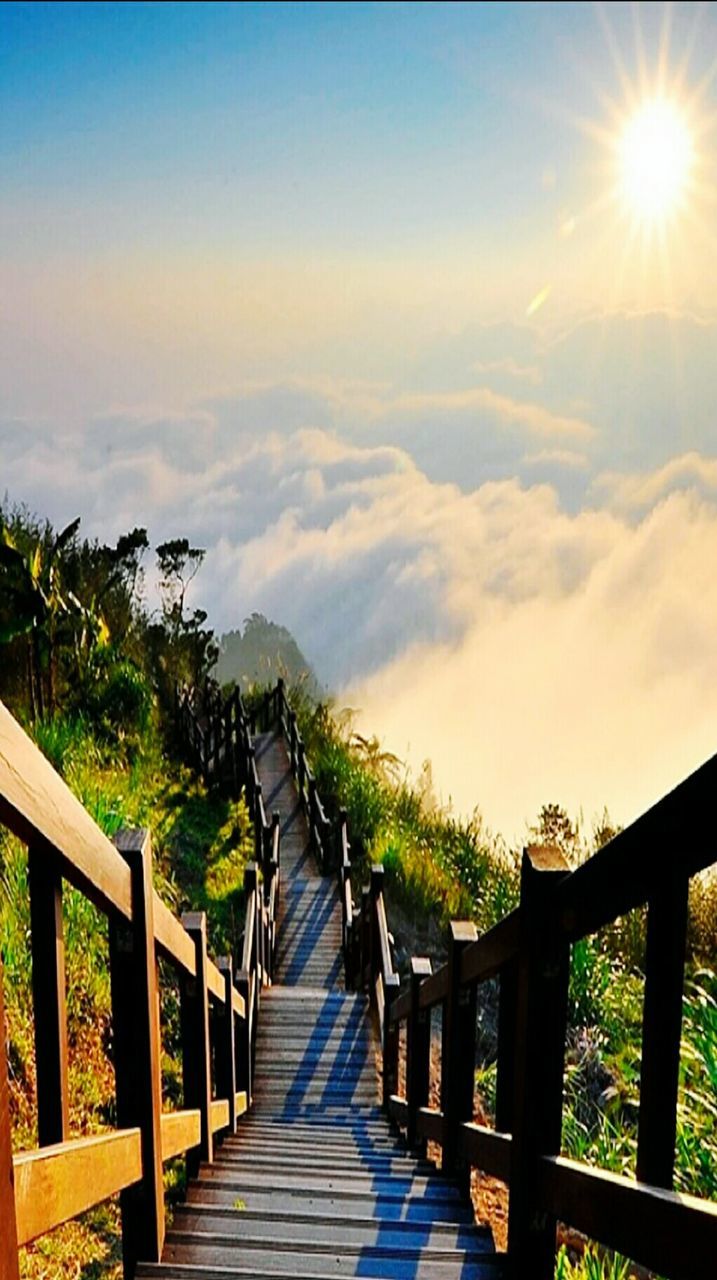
438	868
201	844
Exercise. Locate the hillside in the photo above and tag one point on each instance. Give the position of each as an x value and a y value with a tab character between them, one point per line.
261	653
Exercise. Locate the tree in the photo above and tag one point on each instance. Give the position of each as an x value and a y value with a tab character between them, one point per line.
184	650
31	593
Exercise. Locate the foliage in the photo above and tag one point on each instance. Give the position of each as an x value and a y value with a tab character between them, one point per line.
593	1265
77	636
436	865
260	654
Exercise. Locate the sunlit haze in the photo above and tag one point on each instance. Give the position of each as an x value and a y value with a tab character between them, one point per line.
655	158
407	313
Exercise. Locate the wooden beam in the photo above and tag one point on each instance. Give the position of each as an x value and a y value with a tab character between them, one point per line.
674	1235
543	971
242	1041
418	1048
225	1048
181	1130
434	989
458	1053
215	982
429	1124
196	1059
507	1005
137	1053
171	939
398	1110
675	836
8	1229
48	997
56	1183
487	956
220	1114
39	807
486	1149
661	1032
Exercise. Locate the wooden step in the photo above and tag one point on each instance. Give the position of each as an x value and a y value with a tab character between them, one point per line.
282	1224
337	1259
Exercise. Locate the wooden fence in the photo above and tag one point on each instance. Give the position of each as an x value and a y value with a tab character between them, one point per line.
650	865
42	1188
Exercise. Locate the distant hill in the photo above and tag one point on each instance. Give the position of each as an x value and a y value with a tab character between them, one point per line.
260	654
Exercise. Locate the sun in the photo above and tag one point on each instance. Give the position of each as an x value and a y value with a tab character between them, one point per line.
655	156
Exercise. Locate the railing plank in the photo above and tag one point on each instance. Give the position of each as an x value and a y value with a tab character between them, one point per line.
418	1047
56	1183
661	1032
220	1114
486	957
398	1110
215	982
429	1124
669	1233
9	1269
486	1149
137	1052
172	940
196	1058
400	1008
434	989
48	998
181	1130
632	866
39	807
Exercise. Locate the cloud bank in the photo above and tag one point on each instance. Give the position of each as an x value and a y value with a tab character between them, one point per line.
455	556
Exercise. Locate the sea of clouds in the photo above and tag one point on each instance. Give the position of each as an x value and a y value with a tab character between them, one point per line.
505	556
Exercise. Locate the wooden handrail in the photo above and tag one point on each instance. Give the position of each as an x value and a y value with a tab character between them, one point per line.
649	864
39	807
57	1183
66	1176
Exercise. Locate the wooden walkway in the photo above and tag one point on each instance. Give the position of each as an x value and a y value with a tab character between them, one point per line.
315	1184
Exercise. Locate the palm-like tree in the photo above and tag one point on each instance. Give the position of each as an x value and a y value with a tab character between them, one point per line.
30	588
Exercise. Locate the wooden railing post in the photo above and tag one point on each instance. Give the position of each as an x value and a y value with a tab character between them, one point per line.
225	1043
661	1032
137	1053
458	1055
312	818
250	789
292	741
279	700
391	989
9	1266
375	889
365	939
251	886
48	996
543	971
258	826
418	1050
506	1049
301	769
243	1039
196	1058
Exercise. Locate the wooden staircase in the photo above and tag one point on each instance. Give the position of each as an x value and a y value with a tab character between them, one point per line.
316	1183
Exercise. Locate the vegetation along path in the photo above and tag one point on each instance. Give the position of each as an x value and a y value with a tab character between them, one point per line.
315	1184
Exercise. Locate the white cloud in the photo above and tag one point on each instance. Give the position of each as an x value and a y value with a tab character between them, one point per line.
537	647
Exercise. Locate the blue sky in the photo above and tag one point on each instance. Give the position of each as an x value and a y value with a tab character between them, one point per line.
346	293
324	127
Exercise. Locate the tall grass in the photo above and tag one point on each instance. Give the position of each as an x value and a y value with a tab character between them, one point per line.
439	867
